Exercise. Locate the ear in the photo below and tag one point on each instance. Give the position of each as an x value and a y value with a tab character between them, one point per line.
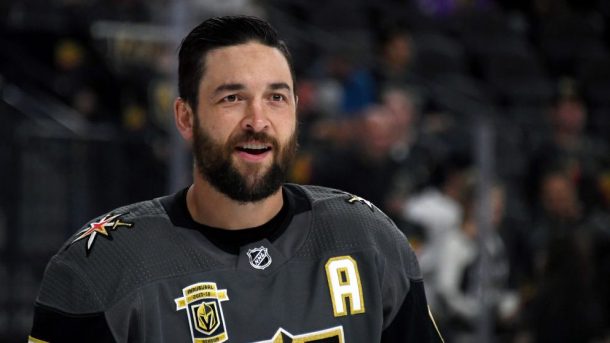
185	122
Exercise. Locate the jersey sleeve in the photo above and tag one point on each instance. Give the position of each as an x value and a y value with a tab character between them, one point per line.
408	316
66	310
414	321
51	325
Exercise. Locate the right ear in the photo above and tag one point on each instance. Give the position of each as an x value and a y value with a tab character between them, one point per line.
185	122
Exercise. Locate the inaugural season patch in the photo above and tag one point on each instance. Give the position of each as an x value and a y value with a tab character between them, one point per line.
202	302
102	227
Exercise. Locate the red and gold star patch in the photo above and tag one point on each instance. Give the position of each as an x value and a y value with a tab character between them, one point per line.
102	227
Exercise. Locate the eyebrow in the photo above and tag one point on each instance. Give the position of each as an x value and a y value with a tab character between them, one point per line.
229	87
232	87
279	85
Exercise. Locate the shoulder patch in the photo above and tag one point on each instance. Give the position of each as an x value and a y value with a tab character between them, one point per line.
352	199
102	226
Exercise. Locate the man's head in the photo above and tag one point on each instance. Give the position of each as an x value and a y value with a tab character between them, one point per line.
237	106
220	32
559	195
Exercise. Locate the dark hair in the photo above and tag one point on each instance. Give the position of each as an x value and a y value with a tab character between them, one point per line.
217	33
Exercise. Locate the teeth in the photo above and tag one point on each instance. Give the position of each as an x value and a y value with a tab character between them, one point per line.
253	146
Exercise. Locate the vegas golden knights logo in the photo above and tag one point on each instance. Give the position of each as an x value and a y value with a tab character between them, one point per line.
202	304
207	317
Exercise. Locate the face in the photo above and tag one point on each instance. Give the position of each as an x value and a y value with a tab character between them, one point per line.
559	196
571	115
377	128
244	134
398	50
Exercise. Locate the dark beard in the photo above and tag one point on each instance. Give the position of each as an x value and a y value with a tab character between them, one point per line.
214	163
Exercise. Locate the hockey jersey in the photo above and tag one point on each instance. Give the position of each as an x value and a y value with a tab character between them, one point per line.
331	268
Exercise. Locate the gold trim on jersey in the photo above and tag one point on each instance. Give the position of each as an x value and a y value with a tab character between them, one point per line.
344	285
35	340
283	336
435	326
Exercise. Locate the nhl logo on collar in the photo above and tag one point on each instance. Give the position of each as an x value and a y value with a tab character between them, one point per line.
259	257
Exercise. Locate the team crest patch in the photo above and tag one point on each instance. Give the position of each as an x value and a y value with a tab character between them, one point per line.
202	302
259	257
102	227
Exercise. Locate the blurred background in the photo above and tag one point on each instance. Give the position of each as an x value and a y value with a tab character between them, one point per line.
482	127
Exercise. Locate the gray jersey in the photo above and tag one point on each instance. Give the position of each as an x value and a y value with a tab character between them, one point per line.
337	271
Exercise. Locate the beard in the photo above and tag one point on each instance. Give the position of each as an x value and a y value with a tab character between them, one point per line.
215	164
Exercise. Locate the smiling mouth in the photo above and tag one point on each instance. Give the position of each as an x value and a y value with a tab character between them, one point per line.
253	148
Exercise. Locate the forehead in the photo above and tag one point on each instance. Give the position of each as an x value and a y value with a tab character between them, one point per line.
251	64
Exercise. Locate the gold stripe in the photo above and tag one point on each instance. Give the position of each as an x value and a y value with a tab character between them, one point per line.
435	326
180	303
315	336
35	340
216	339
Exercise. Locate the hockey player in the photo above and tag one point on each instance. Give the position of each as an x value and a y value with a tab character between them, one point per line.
239	255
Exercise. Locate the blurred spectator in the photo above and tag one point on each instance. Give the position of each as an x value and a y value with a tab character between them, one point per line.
409	151
570	147
560	212
458	279
395	63
437	208
568	303
353	87
377	155
363	167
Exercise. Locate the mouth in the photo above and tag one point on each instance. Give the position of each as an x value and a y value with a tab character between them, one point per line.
253	150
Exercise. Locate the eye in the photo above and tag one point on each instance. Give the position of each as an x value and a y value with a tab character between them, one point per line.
278	97
230	98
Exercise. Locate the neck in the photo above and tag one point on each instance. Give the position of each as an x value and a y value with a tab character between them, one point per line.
210	207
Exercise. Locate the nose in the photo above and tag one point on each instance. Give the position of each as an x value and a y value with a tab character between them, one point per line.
255	118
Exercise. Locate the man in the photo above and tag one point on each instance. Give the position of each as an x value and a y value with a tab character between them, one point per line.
238	256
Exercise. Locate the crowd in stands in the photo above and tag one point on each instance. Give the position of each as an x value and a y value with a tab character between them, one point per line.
390	93
397	127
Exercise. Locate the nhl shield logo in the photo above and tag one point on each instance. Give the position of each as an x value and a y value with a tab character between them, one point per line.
202	303
259	257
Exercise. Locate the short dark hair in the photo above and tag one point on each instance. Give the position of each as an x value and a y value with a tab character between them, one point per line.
217	33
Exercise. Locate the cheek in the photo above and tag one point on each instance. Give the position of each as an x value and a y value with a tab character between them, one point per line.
288	132
286	123
219	130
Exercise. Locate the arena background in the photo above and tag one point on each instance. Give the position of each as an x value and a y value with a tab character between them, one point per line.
510	93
